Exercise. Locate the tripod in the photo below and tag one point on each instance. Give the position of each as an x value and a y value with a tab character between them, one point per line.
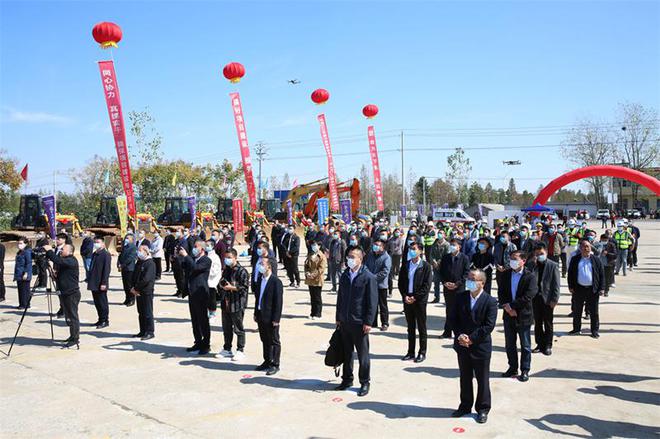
50	291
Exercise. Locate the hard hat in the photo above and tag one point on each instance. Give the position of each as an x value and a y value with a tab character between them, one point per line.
620	223
571	222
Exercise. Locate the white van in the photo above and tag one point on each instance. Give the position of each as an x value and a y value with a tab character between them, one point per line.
453	215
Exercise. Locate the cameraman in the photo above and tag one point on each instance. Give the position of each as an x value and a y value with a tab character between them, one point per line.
67	285
41	262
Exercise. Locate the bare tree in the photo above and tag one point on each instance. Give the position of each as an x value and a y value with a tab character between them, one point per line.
587	144
458	174
638	142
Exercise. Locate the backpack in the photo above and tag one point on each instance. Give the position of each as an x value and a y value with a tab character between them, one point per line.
334	355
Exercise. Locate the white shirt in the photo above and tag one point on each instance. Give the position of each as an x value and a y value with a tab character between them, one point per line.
353	274
215	273
584	272
412	267
264	282
473	300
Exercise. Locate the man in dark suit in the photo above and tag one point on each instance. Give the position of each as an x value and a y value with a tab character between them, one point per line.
275	236
415	280
142	240
292	251
86	250
98	281
518	288
169	242
197	267
357	301
181	243
548	278
144	278
261	250
472	320
3	290
268	299
69	288
454	268
126	265
586	282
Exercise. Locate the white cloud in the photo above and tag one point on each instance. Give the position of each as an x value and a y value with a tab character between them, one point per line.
37	117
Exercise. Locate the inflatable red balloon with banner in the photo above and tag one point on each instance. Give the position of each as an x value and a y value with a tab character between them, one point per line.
370	111
320	96
597	171
234	71
107	34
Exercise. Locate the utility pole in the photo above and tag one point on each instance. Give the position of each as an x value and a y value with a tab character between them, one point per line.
403	190
261	151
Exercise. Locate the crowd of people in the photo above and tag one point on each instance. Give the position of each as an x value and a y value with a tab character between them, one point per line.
362	261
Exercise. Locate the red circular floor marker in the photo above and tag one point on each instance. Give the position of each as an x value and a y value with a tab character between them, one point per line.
247	376
458	430
337	399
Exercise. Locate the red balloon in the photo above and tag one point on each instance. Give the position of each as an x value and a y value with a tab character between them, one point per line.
320	96
234	71
107	34
597	171
370	111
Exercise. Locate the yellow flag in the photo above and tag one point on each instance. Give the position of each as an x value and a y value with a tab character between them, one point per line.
123	214
174	179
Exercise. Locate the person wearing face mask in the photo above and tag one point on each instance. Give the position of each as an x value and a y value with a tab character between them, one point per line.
586	282
483	260
68	286
292	249
23	273
502	251
60	240
547	275
357	301
126	265
315	268
215	273
365	241
394	248
380	264
518	288
156	250
220	245
553	242
336	258
144	279
414	285
525	242
438	251
142	239
99	280
41	263
181	243
624	240
472	320
275	236
261	251
268	313
429	238
234	286
169	243
454	268
605	249
86	251
198	267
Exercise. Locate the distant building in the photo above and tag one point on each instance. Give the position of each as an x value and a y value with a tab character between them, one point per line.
646	200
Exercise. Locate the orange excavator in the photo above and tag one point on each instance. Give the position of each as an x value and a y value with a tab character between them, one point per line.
352	186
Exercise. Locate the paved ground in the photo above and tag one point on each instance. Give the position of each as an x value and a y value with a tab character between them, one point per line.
116	386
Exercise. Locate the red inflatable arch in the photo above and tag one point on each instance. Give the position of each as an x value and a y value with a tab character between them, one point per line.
597	171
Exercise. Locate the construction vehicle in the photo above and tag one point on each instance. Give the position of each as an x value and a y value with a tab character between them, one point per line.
298	195
32	219
351	186
143	222
68	224
176	213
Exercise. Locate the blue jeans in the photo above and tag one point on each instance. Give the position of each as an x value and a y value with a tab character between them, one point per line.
512	332
621	260
88	264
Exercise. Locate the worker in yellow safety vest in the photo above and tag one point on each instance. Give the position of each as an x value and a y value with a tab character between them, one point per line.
624	240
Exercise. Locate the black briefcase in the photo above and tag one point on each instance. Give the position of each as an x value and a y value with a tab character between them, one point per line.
334	356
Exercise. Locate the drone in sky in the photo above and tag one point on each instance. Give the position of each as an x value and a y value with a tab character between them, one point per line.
511	162
293	81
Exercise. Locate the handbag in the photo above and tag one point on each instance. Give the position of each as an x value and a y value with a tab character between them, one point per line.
334	355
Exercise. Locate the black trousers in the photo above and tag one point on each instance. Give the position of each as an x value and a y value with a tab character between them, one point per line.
416	319
70	307
582	296
632	257
609	277
3	290
198	303
382	308
334	270
145	308
24	296
127	283
179	277
394	272
159	267
564	267
316	301
42	275
543	322
101	304
354	337
292	270
168	260
480	369
232	323
450	300
213	299
270	341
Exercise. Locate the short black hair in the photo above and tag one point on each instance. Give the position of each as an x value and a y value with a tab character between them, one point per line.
455	241
521	254
416	245
99	238
62	235
232	251
540	246
264	244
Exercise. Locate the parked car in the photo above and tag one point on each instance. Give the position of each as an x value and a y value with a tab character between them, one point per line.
633	213
603	214
453	215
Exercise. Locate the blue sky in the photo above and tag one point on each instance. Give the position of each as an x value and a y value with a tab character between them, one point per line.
454	74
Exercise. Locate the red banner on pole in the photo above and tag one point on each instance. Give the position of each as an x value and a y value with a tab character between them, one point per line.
332	181
111	91
245	149
237	214
373	152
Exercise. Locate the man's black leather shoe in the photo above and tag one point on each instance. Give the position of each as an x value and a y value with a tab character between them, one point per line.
460	412
524	376
510	373
263	366
420	358
147	337
482	417
364	390
548	352
536	350
272	370
595	335
344	385
408	357
574	332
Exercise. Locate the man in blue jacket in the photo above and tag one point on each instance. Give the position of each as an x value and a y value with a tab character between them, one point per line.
380	264
357	299
98	281
23	273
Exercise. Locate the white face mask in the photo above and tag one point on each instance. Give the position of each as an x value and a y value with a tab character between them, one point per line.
97	246
514	264
351	262
142	256
21	245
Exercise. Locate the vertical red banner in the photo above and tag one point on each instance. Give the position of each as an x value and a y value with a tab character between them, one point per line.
237	214
373	152
245	149
111	91
332	181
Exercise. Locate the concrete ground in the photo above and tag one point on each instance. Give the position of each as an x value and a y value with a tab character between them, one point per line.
117	386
